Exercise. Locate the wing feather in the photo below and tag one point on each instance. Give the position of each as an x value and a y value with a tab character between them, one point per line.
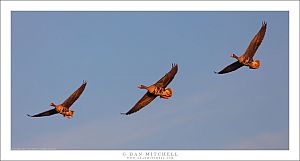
165	80
232	67
255	43
46	113
144	101
69	101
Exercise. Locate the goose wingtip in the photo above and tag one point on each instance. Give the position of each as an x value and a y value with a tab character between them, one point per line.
264	23
174	64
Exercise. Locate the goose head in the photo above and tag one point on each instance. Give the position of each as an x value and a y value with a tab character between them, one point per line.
234	56
142	87
52	104
254	64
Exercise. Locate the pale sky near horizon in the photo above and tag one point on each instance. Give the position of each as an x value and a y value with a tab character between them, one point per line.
53	52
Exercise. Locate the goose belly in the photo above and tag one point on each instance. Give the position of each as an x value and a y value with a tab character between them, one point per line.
64	110
162	92
246	61
156	91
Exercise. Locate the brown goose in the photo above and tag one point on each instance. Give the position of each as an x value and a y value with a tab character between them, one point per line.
157	89
64	108
247	58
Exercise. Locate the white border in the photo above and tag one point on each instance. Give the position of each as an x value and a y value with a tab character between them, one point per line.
8	6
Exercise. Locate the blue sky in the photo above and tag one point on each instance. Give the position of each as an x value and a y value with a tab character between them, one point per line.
53	52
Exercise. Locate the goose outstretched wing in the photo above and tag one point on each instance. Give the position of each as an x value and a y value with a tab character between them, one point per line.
144	101
69	101
46	113
255	43
165	80
232	67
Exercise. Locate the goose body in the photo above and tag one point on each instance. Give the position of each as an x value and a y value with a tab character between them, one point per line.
65	111
157	89
247	58
64	108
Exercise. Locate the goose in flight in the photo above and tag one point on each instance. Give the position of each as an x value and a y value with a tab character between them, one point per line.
64	108
247	58
157	89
